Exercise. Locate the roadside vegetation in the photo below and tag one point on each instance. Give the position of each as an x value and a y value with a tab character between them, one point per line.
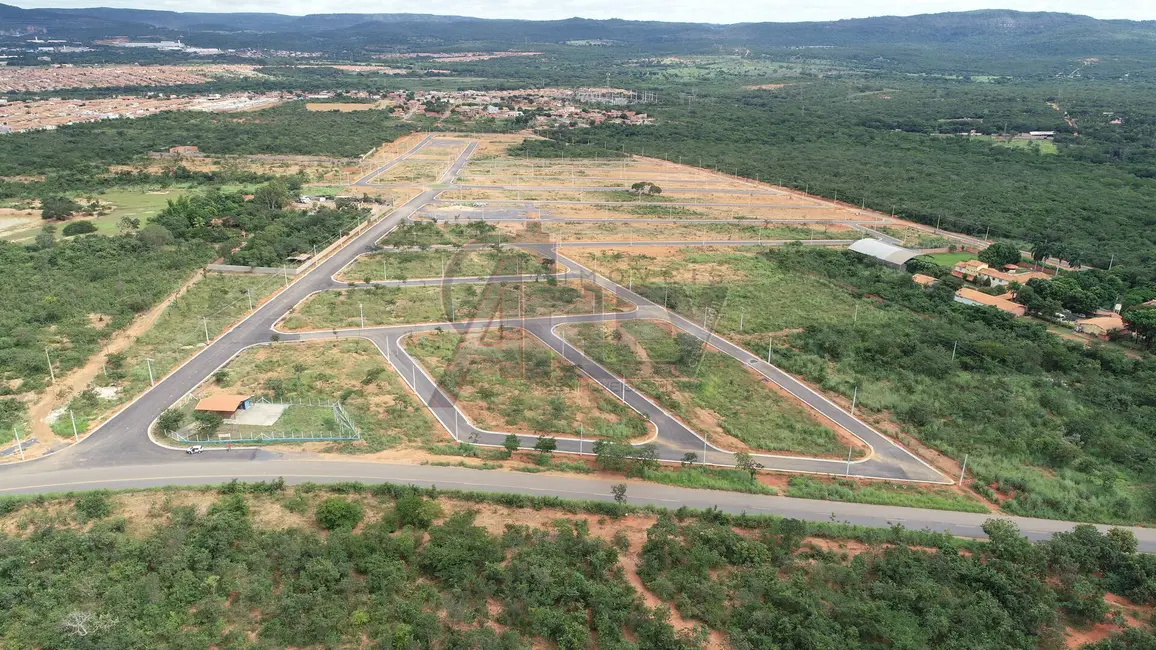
265	565
506	380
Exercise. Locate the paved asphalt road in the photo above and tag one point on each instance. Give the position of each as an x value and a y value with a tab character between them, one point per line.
119	454
221	466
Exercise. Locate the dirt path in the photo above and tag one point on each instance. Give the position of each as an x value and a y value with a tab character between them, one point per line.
79	379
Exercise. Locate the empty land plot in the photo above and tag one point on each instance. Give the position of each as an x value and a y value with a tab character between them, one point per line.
712	392
509	381
421	234
386	265
433	304
629	232
353	372
788	210
411	171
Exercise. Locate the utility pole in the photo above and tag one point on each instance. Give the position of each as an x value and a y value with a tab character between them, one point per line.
361	310
249	292
1111	261
848	470
854	400
770	344
19	445
963	470
285	273
205	323
51	372
954	347
150	365
75	435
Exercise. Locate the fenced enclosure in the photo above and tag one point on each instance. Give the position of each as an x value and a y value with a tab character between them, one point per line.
291	420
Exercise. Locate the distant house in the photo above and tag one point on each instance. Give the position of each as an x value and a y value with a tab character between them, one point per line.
1102	324
977	271
968	269
184	150
883	252
969	296
225	406
924	280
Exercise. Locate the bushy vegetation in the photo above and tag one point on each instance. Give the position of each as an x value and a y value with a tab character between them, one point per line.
259	230
147	569
1059	429
48	295
286	129
775	590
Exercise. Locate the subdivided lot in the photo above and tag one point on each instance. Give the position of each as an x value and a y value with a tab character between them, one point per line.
632	232
451	231
214	303
395	265
706	198
352	372
507	380
739	292
914	237
433	304
712	392
410	171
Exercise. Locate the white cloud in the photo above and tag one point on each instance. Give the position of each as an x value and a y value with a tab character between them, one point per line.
667	10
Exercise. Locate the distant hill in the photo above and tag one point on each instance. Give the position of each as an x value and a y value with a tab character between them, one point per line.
986	32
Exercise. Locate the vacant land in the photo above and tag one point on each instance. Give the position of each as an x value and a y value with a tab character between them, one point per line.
949	259
507	380
632	232
435	304
395	265
710	391
268	566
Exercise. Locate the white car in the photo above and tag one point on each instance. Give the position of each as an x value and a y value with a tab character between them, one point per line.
195	449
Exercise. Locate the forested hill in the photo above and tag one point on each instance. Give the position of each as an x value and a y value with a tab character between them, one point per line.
1042	34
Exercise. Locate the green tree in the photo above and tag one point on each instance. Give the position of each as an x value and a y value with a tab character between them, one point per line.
78	228
338	512
1000	254
208	423
747	463
57	208
511	443
1142	323
545	445
170	421
619	492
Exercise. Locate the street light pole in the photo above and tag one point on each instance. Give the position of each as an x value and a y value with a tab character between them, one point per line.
51	372
152	381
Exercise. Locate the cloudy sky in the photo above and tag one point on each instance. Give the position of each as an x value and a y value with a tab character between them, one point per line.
713	11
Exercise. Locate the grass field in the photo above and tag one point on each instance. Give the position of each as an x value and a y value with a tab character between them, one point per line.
509	381
948	259
395	265
710	391
433	304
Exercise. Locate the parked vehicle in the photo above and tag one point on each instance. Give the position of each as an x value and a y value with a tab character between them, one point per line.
195	449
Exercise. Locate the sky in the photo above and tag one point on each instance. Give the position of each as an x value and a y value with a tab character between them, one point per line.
705	11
